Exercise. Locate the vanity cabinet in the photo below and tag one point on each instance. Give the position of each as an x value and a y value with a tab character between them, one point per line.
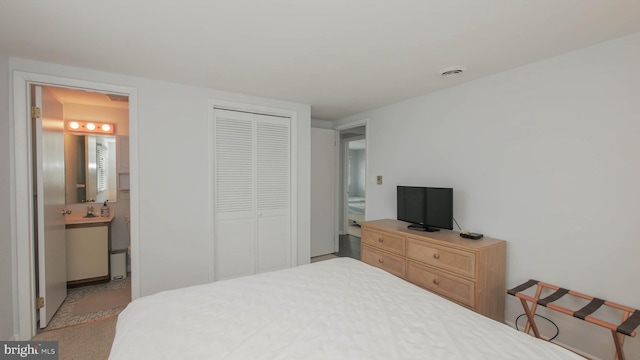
88	249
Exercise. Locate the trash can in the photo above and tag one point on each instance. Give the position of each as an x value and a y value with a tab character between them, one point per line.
118	264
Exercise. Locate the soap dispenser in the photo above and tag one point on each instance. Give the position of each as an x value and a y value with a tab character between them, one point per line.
104	210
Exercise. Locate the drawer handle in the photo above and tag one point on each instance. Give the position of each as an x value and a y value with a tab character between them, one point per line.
436	256
380	240
436	282
380	261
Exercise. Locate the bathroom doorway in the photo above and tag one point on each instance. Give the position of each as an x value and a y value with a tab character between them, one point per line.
84	134
24	210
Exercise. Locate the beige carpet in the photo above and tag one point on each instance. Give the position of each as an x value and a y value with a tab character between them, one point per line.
90	340
102	301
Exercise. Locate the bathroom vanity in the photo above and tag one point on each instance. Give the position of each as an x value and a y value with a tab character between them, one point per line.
88	249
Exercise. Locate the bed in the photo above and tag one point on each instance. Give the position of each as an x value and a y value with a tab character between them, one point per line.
334	309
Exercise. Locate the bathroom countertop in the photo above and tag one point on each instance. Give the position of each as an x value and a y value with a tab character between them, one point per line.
76	218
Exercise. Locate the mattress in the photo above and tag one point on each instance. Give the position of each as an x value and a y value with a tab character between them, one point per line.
334	309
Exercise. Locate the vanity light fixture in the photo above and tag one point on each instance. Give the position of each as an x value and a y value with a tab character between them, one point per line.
91	127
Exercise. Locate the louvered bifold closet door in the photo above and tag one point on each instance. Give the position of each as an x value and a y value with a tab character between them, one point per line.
234	197
273	196
252	193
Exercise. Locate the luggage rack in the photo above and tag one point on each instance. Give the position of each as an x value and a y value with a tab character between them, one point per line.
627	327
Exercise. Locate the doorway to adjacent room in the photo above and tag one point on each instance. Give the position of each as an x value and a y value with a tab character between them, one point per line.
80	154
29	214
353	187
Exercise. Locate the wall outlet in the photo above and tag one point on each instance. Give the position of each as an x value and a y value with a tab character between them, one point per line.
379	179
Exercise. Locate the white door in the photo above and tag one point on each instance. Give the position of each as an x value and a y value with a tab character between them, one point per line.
50	195
234	194
252	194
323	174
273	196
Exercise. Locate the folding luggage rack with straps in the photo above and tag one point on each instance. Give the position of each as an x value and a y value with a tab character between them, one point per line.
628	325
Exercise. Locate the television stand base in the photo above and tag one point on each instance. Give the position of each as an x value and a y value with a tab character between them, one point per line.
422	228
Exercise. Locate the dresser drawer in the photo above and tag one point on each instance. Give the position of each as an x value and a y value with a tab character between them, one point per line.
389	242
387	262
450	286
446	258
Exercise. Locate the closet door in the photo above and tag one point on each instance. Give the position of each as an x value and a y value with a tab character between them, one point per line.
234	198
273	193
252	193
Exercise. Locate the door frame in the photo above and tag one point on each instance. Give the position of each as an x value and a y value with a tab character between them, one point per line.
22	162
340	179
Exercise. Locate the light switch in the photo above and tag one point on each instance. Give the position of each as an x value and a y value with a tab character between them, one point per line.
379	179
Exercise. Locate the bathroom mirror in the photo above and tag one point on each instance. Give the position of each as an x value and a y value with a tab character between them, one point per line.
90	168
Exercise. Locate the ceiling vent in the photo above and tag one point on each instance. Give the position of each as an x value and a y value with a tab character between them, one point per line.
452	71
119	98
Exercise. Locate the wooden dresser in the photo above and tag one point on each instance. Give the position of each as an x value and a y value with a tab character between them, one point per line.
468	272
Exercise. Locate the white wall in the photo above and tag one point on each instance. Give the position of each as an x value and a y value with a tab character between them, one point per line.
356	172
544	156
7	330
322	124
173	220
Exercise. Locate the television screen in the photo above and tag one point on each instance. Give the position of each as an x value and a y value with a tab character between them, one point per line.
411	204
439	208
426	208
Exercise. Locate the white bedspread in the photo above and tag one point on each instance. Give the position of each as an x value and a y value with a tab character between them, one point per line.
335	309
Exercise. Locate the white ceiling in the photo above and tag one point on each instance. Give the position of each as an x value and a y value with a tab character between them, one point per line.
84	97
340	56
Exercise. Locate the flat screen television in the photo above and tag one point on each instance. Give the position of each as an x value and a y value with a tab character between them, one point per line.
426	208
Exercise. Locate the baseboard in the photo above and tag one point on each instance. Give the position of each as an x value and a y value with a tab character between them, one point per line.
571	348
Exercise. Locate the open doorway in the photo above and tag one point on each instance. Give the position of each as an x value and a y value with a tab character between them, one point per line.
352	178
356	170
80	162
